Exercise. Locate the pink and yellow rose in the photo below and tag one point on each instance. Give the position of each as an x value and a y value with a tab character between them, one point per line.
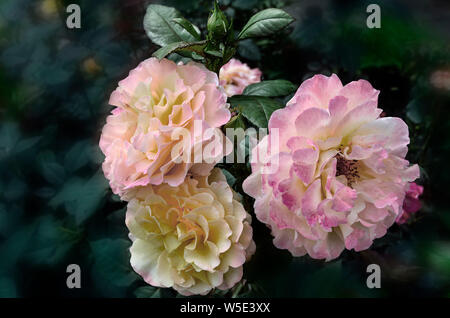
341	175
235	76
157	98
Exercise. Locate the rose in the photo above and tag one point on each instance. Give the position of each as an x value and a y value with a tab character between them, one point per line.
235	76
341	178
411	204
194	237
154	102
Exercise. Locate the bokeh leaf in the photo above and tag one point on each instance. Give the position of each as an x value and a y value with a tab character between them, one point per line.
51	170
78	156
147	292
81	198
111	265
52	241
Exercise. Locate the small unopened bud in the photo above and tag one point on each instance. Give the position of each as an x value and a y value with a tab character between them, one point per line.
217	23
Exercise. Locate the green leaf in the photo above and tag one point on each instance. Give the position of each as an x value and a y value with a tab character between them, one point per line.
81	198
51	241
9	137
180	47
111	268
209	49
270	88
51	170
231	180
265	23
27	143
147	292
188	26
438	255
15	247
235	122
78	156
12	143
160	28
257	109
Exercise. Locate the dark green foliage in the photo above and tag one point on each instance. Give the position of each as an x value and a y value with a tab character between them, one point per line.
56	208
257	109
166	27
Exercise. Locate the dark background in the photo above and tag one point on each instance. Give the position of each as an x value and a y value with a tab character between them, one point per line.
55	205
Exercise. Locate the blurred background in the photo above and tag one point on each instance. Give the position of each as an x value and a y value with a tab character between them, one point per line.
56	207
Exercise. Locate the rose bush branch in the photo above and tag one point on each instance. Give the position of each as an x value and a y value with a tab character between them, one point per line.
166	27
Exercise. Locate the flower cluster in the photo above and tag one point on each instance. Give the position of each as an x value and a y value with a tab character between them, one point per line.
343	174
188	228
339	178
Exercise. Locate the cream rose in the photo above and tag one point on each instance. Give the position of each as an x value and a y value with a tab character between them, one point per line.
194	237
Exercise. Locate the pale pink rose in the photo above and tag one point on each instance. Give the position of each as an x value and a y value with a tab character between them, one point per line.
156	99
235	76
193	238
412	203
342	174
